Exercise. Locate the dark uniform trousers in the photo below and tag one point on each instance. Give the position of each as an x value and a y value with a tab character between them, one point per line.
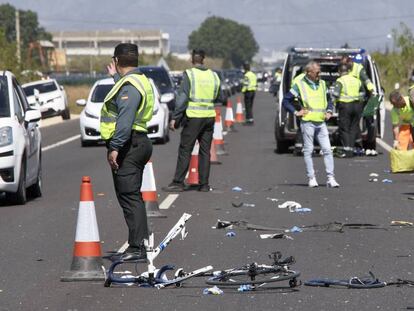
200	129
248	104
127	180
349	116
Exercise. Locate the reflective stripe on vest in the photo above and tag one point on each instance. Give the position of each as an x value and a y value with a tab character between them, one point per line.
350	89
109	112
204	86
313	100
249	82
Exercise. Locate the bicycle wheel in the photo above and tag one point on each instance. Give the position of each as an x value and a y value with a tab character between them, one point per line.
245	277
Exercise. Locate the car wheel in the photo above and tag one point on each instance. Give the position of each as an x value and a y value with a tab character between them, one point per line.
19	198
36	189
66	114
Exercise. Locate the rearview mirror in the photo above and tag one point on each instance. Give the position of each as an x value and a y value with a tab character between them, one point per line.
81	102
32	116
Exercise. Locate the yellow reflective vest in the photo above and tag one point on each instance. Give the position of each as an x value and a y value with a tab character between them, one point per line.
350	89
250	82
356	72
109	112
204	88
314	101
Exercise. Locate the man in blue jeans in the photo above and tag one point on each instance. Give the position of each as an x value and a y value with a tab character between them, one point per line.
316	108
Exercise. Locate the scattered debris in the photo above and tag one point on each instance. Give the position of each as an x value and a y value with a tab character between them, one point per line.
237	189
373	179
212	291
272	199
242	224
249	205
402	223
100	194
245	288
295	229
373	175
290	204
387	171
300	210
410	198
230	234
387	181
276	236
237	204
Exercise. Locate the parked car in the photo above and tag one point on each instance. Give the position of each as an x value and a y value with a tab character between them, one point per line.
164	83
329	59
90	116
49	97
20	143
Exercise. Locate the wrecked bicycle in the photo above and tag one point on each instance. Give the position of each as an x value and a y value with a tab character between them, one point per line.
257	275
154	277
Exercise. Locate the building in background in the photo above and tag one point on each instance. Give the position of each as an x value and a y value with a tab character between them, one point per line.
102	43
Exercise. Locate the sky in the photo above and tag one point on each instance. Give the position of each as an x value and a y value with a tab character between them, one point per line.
276	24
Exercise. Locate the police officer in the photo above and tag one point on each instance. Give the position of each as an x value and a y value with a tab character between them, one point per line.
249	90
347	92
127	109
315	109
199	91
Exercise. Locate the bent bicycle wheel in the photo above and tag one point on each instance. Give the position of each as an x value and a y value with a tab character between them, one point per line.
243	277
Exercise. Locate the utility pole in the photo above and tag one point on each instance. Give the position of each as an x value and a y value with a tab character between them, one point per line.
18	36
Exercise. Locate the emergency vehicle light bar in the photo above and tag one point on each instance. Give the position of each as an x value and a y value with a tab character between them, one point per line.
328	50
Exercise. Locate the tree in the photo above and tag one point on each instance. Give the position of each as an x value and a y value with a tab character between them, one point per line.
7	53
224	38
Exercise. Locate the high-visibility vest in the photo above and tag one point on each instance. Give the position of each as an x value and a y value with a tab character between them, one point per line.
278	76
314	101
109	112
356	72
204	87
404	115
297	78
249	82
350	89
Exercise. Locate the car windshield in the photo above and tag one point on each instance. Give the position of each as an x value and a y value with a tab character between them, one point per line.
100	92
4	99
160	77
41	87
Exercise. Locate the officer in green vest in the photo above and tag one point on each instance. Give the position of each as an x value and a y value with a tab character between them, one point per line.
249	91
348	93
127	109
314	111
198	93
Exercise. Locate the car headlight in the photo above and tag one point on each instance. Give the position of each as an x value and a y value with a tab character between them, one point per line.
6	136
87	114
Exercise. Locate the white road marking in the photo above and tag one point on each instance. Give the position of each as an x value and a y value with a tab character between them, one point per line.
60	143
168	201
384	145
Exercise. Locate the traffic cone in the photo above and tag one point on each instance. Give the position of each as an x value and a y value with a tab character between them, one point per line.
229	119
87	262
149	192
192	175
218	140
239	111
213	155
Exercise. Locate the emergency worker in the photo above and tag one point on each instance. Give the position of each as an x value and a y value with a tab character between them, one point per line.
347	93
249	90
199	91
314	111
402	118
127	109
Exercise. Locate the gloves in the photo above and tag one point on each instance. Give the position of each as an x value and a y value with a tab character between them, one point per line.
396	144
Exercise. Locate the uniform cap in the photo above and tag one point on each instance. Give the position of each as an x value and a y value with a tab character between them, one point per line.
126	49
199	52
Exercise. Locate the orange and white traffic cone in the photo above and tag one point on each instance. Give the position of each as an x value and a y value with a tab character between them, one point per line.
87	262
239	111
218	139
149	192
229	119
192	174
213	154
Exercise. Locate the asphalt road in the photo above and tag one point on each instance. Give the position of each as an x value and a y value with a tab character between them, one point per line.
36	240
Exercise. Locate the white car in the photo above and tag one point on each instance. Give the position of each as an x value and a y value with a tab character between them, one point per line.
90	116
49	97
20	143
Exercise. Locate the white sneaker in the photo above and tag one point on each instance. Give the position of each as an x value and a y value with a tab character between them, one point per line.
374	152
312	183
368	152
331	183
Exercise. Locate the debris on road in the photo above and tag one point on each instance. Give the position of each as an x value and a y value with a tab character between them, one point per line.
387	181
373	179
290	205
295	229
410	198
402	223
300	210
212	291
245	288
373	175
242	224
237	204
276	236
237	189
230	234
249	205
272	199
